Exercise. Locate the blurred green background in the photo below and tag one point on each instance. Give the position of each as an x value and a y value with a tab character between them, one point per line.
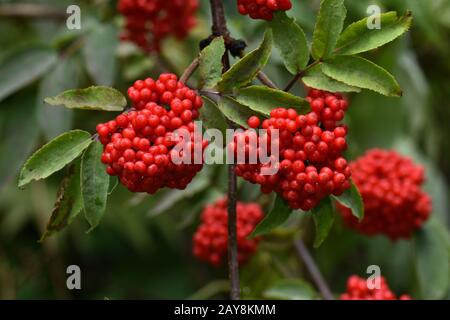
142	248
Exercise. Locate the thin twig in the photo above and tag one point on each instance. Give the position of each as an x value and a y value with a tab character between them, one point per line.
29	10
293	81
300	75
265	80
190	70
219	28
313	269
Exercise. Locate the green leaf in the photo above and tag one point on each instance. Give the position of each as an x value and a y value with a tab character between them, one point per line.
211	63
278	215
92	98
291	289
22	68
264	99
432	260
323	216
357	37
290	40
351	198
235	111
211	116
329	24
361	73
68	202
94	184
54	156
63	76
315	78
247	68
100	54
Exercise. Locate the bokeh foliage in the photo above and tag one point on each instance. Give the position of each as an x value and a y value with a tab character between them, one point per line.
142	247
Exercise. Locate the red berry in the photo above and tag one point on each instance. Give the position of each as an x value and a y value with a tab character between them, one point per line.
390	186
262	9
378	289
138	144
211	238
148	22
304	139
253	122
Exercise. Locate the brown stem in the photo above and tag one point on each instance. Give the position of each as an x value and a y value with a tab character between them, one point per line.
265	80
190	70
313	269
219	28
29	10
300	75
293	81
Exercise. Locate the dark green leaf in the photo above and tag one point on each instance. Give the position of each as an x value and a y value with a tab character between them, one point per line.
63	76
359	72
211	116
264	99
277	216
17	146
315	78
291	289
211	63
432	260
94	184
246	69
357	37
323	215
329	24
22	68
290	40
235	111
92	98
100	54
68	203
351	198
54	156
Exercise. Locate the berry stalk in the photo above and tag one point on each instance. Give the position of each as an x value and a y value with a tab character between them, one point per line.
219	28
313	269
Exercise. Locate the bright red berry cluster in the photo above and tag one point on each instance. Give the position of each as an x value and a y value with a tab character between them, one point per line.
358	289
147	22
390	186
262	9
211	238
168	91
311	165
139	145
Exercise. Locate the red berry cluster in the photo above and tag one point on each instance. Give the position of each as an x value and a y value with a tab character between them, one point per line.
147	22
168	91
262	9
311	165
139	145
211	238
390	185
357	289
